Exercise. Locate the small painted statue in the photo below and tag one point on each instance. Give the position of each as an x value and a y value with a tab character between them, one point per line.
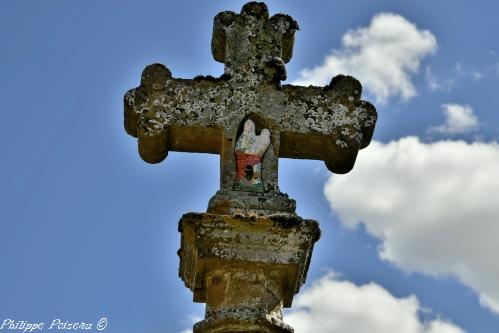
249	150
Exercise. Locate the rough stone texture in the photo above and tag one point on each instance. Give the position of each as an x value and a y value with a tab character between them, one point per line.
245	268
249	254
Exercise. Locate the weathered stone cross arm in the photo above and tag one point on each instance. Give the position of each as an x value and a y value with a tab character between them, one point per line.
206	114
329	124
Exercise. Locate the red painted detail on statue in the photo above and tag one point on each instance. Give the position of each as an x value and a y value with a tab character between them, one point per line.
242	161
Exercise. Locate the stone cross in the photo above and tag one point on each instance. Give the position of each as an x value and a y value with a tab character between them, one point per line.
207	114
249	254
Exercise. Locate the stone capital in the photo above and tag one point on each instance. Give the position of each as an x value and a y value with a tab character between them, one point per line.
245	268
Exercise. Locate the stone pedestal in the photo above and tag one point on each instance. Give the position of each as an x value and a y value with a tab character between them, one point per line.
246	269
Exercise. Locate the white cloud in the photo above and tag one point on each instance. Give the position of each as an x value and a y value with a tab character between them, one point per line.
459	119
436	84
476	75
433	82
458	68
459	73
434	206
464	71
383	56
331	305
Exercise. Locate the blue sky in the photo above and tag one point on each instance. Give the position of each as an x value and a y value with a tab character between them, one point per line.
88	230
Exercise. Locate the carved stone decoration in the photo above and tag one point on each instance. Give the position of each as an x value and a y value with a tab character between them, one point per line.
249	152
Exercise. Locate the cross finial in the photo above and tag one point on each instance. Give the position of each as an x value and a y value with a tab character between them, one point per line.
253	47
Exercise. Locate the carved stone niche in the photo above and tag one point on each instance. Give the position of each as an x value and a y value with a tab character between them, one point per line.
252	162
246	269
